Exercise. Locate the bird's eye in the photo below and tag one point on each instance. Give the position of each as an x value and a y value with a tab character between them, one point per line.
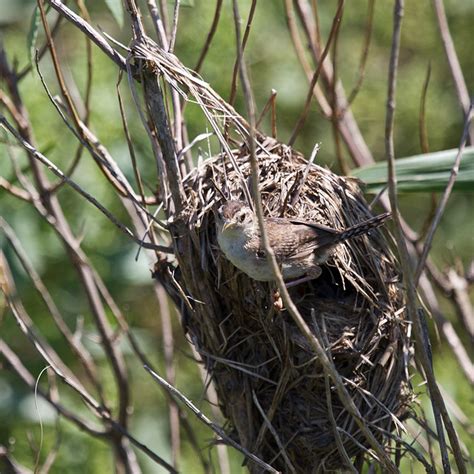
241	217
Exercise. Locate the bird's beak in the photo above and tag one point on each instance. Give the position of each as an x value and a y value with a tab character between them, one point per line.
227	225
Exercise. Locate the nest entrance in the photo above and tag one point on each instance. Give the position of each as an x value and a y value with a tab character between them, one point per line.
271	386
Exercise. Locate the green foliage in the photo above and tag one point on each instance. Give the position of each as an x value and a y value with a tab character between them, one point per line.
33	34
273	65
427	173
116	8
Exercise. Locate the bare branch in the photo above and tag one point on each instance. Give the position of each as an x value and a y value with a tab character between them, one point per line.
315	345
81	352
453	61
202	417
87	29
314	80
210	36
439	409
52	167
444	198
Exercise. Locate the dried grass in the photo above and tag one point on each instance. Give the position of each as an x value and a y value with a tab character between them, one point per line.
271	386
258	359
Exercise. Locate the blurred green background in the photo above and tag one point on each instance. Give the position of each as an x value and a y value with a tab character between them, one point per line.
273	65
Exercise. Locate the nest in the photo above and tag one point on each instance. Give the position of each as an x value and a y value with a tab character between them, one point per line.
272	388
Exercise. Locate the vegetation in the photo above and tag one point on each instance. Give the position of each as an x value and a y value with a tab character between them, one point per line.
62	258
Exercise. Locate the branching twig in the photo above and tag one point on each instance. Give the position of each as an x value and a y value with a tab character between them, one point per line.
210	36
52	167
202	417
314	80
87	29
444	198
453	61
439	408
328	366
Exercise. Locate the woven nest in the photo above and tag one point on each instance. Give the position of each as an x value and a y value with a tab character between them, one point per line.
271	386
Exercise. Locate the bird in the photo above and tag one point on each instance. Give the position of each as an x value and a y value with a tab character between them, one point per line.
300	246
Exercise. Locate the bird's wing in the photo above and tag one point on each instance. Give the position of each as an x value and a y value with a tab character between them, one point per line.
294	239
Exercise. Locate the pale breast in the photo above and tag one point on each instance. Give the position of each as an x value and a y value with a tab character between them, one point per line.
234	245
293	246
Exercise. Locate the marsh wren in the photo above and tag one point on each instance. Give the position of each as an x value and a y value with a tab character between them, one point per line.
300	247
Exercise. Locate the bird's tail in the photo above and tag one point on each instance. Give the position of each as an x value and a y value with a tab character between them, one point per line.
363	227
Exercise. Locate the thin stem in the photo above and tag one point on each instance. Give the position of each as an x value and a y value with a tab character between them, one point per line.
202	417
439	408
210	36
52	167
314	80
174	28
444	198
365	54
328	366
89	31
453	61
425	148
241	47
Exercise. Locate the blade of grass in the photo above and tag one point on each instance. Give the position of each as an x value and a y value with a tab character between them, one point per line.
428	172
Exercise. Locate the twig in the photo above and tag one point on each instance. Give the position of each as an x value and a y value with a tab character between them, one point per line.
14	190
328	367
270	103
444	198
157	24
314	80
425	148
335	429
174	28
453	61
128	138
89	31
143	447
57	68
446	328
460	293
82	7
274	433
164	14
439	408
210	36
168	353
334	101
211	395
365	54
159	119
202	417
40	53
52	167
240	48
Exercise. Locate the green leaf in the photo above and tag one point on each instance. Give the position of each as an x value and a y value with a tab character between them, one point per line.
429	172
116	8
33	35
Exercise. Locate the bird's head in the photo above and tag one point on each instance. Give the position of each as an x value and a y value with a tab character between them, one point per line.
235	215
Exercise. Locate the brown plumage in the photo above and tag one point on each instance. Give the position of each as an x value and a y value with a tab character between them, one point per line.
299	246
